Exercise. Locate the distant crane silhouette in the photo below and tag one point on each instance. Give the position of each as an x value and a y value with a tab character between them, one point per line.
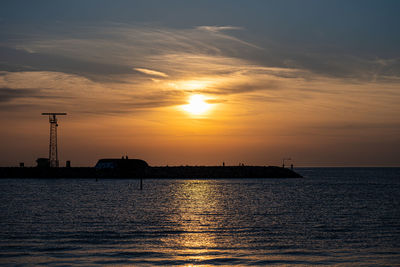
53	153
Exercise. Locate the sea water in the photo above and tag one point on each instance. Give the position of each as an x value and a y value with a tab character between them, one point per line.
334	216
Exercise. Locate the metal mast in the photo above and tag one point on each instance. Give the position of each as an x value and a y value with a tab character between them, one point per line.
53	153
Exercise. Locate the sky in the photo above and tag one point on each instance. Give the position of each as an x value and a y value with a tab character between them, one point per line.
202	82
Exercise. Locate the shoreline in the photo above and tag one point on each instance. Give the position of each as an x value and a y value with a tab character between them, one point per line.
170	172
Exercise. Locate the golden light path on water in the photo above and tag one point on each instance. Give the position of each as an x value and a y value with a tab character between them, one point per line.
196	203
209	232
196	220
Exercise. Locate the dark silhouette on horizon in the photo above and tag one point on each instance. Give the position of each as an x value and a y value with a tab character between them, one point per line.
137	168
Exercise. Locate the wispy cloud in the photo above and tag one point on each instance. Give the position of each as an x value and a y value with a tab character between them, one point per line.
112	50
152	72
218	28
74	93
99	52
107	69
9	94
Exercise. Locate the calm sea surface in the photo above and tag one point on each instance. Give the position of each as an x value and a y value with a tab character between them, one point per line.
334	216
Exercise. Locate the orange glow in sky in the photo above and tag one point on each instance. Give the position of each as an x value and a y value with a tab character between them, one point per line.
197	105
202	92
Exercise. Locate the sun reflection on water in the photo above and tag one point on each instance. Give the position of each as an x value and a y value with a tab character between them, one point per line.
196	204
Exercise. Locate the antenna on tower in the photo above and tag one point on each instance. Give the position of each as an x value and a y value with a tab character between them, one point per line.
53	153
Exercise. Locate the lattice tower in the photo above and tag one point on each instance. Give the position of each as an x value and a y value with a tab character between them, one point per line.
53	151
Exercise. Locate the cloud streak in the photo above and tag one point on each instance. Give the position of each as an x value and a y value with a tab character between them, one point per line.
103	66
99	52
218	28
9	94
151	72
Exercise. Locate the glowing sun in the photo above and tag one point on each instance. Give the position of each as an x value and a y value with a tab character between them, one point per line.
197	105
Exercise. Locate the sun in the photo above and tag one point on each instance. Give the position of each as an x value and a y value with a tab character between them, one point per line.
197	105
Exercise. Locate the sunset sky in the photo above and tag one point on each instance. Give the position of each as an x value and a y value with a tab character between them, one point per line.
202	82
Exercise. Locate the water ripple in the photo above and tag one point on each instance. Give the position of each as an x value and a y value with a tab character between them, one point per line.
332	217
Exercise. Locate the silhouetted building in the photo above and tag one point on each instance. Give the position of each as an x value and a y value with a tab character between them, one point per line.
122	164
43	162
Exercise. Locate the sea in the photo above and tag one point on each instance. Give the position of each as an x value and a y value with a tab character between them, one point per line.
332	216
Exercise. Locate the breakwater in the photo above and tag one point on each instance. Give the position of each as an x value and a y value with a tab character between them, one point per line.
176	172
